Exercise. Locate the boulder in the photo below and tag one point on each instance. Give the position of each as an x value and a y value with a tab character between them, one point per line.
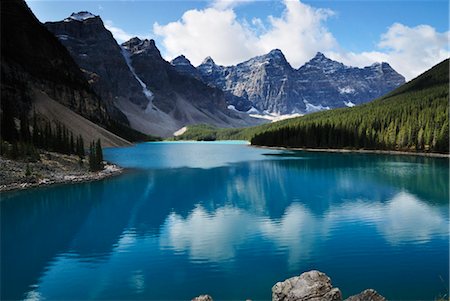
367	295
311	286
203	298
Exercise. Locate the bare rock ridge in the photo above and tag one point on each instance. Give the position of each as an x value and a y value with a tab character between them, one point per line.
310	286
134	78
34	66
269	83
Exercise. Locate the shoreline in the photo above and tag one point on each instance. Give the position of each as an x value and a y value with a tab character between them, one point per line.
110	170
54	170
359	151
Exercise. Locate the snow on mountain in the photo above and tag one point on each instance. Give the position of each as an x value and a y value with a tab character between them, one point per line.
80	16
349	104
269	83
148	94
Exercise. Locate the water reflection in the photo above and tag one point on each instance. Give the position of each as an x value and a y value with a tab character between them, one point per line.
127	237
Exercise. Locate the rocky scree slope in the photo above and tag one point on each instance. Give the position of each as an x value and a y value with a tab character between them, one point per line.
35	65
32	58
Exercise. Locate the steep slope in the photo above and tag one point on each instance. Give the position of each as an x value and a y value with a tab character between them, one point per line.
186	100
336	85
271	85
413	117
134	78
33	61
209	72
78	125
96	52
32	57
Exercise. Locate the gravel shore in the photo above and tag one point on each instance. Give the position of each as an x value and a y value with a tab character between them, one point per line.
53	168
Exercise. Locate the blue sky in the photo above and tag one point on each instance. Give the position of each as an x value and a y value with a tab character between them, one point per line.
349	31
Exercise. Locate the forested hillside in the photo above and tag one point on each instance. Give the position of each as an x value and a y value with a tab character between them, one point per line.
413	117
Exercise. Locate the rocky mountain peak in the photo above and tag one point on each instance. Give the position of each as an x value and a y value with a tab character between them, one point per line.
208	61
320	61
180	61
277	55
81	16
137	46
184	66
131	43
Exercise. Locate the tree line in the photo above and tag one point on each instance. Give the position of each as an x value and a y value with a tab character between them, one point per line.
414	117
23	142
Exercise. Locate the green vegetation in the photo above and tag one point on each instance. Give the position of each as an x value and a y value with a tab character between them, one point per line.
22	144
413	117
95	156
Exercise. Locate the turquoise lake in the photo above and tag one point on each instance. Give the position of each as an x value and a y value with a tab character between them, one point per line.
230	220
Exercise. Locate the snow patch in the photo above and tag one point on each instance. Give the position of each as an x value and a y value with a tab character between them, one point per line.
275	117
180	131
349	104
253	110
346	90
310	108
81	16
233	108
148	94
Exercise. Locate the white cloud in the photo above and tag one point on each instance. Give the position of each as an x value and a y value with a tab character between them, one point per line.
119	34
208	32
217	32
299	32
409	50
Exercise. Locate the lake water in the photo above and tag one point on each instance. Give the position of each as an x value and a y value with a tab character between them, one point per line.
230	220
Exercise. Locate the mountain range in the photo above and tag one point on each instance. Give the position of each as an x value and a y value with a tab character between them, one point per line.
269	84
128	87
133	77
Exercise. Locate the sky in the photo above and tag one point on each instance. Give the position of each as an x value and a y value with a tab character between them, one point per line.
411	35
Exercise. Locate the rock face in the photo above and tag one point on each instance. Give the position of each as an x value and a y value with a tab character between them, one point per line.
203	298
367	295
33	60
269	83
316	286
134	80
312	286
95	50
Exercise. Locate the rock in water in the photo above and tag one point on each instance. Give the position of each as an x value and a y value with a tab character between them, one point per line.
367	295
203	298
311	286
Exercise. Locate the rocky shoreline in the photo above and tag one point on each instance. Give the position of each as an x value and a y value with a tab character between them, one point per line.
53	168
310	286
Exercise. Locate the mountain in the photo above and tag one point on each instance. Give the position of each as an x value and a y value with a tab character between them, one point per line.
270	84
155	98
35	66
96	52
413	117
184	66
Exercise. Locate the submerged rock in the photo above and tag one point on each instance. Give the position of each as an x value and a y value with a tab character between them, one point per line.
367	295
312	285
